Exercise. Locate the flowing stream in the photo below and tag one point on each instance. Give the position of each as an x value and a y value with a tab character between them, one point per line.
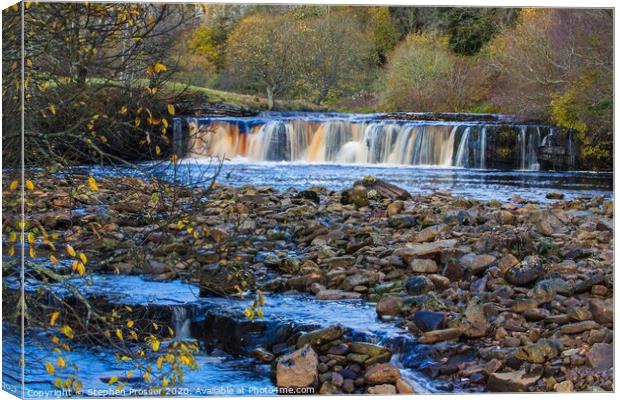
219	373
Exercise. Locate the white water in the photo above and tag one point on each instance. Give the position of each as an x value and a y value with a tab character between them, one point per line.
336	140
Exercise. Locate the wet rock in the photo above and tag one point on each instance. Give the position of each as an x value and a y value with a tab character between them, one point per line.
394	208
389	305
335	262
310	195
440	335
300	211
354	280
403	387
371	350
321	336
423	265
539	352
417	285
384	189
428	321
155	267
554	196
262	355
530	269
382	373
298	369
521	306
335	294
515	381
384	389
585	285
602	310
357	358
600	356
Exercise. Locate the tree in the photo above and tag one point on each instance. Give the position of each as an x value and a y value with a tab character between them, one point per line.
263	54
424	75
337	54
557	64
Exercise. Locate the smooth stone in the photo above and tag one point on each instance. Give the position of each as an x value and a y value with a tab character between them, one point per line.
298	369
424	266
600	356
382	373
389	305
428	320
514	381
384	389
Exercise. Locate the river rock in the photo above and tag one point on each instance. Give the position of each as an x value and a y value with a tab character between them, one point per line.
600	356
262	355
354	280
155	267
402	221
440	335
602	310
428	320
389	305
372	350
357	195
321	336
384	389
474	324
394	208
539	352
382	373
530	269
424	249
515	381
335	294
403	387
506	262
564	387
578	327
427	234
298	369
423	265
417	285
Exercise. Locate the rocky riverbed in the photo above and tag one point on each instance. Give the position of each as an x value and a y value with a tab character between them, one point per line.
511	296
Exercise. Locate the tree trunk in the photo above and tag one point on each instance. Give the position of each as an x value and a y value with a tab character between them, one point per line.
269	97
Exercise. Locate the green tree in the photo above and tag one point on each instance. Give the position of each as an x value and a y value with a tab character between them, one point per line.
263	55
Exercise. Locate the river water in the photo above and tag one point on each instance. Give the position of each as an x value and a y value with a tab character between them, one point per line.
218	373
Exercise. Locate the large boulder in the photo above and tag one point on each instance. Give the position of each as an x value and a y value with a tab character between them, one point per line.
298	369
390	305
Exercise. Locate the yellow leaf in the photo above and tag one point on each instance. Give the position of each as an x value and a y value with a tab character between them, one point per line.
32	252
164	122
70	250
147	377
129	374
53	318
249	313
83	258
160	362
171	110
164	382
52	109
119	334
13	237
113	380
149	70
67	331
61	362
80	268
13	185
137	122
31	238
159	67
174	158
123	110
49	367
155	344
55	339
29	185
92	184
129	323
157	150
58	383
53	259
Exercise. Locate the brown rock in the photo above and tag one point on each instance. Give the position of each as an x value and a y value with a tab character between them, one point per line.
298	369
602	310
424	249
578	327
403	387
422	265
600	356
440	335
382	389
507	262
515	381
389	305
382	373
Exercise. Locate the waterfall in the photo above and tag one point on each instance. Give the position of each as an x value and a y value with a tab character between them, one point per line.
483	147
355	138
462	155
180	322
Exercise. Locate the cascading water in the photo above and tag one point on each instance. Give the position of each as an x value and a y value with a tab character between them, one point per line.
350	138
181	321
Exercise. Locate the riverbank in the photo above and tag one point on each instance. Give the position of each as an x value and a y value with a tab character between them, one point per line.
512	296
